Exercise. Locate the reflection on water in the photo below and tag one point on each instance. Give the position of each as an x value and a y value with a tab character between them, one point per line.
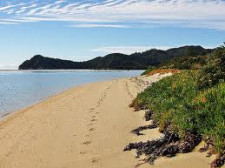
19	89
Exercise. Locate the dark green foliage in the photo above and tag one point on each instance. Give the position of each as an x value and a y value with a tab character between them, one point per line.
214	71
191	60
40	62
188	62
209	107
116	60
166	96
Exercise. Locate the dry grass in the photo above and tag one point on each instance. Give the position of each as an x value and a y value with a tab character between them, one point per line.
163	71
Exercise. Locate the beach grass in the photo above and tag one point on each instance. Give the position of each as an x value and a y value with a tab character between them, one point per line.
191	102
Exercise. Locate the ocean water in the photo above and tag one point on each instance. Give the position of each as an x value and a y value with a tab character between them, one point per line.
19	89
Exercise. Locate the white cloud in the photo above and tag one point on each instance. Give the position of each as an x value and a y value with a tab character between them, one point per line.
128	49
10	6
141	13
133	49
8	67
24	8
14	21
100	25
6	23
60	1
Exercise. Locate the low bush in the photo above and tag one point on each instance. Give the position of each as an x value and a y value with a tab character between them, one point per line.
177	103
214	71
169	95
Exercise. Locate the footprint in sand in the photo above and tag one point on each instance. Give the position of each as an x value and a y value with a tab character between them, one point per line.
83	152
90	124
94	160
87	142
91	110
98	104
92	129
93	120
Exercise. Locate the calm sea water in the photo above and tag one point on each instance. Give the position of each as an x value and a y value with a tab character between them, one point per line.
19	89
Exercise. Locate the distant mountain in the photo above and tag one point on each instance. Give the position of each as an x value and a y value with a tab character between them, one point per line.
116	60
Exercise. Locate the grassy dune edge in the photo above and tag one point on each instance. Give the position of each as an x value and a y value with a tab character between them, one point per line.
188	107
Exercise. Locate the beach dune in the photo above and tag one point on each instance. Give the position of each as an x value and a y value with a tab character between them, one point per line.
84	127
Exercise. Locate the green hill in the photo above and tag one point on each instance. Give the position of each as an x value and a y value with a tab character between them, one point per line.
142	60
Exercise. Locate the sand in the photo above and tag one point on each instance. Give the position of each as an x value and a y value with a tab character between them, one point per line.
84	127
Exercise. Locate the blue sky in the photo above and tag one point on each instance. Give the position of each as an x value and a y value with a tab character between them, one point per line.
80	30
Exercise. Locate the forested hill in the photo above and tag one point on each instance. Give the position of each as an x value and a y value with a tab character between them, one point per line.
142	60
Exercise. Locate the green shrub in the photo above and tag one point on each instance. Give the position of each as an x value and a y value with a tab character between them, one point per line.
210	114
214	71
187	62
168	95
177	100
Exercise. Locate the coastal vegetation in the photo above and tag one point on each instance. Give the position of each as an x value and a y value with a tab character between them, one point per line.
188	107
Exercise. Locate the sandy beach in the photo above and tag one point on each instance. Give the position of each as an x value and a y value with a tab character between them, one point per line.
84	127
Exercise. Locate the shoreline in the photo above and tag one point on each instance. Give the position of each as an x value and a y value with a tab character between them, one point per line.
66	70
34	87
85	126
12	113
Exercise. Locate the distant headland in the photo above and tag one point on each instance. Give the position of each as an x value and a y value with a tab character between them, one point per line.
142	60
